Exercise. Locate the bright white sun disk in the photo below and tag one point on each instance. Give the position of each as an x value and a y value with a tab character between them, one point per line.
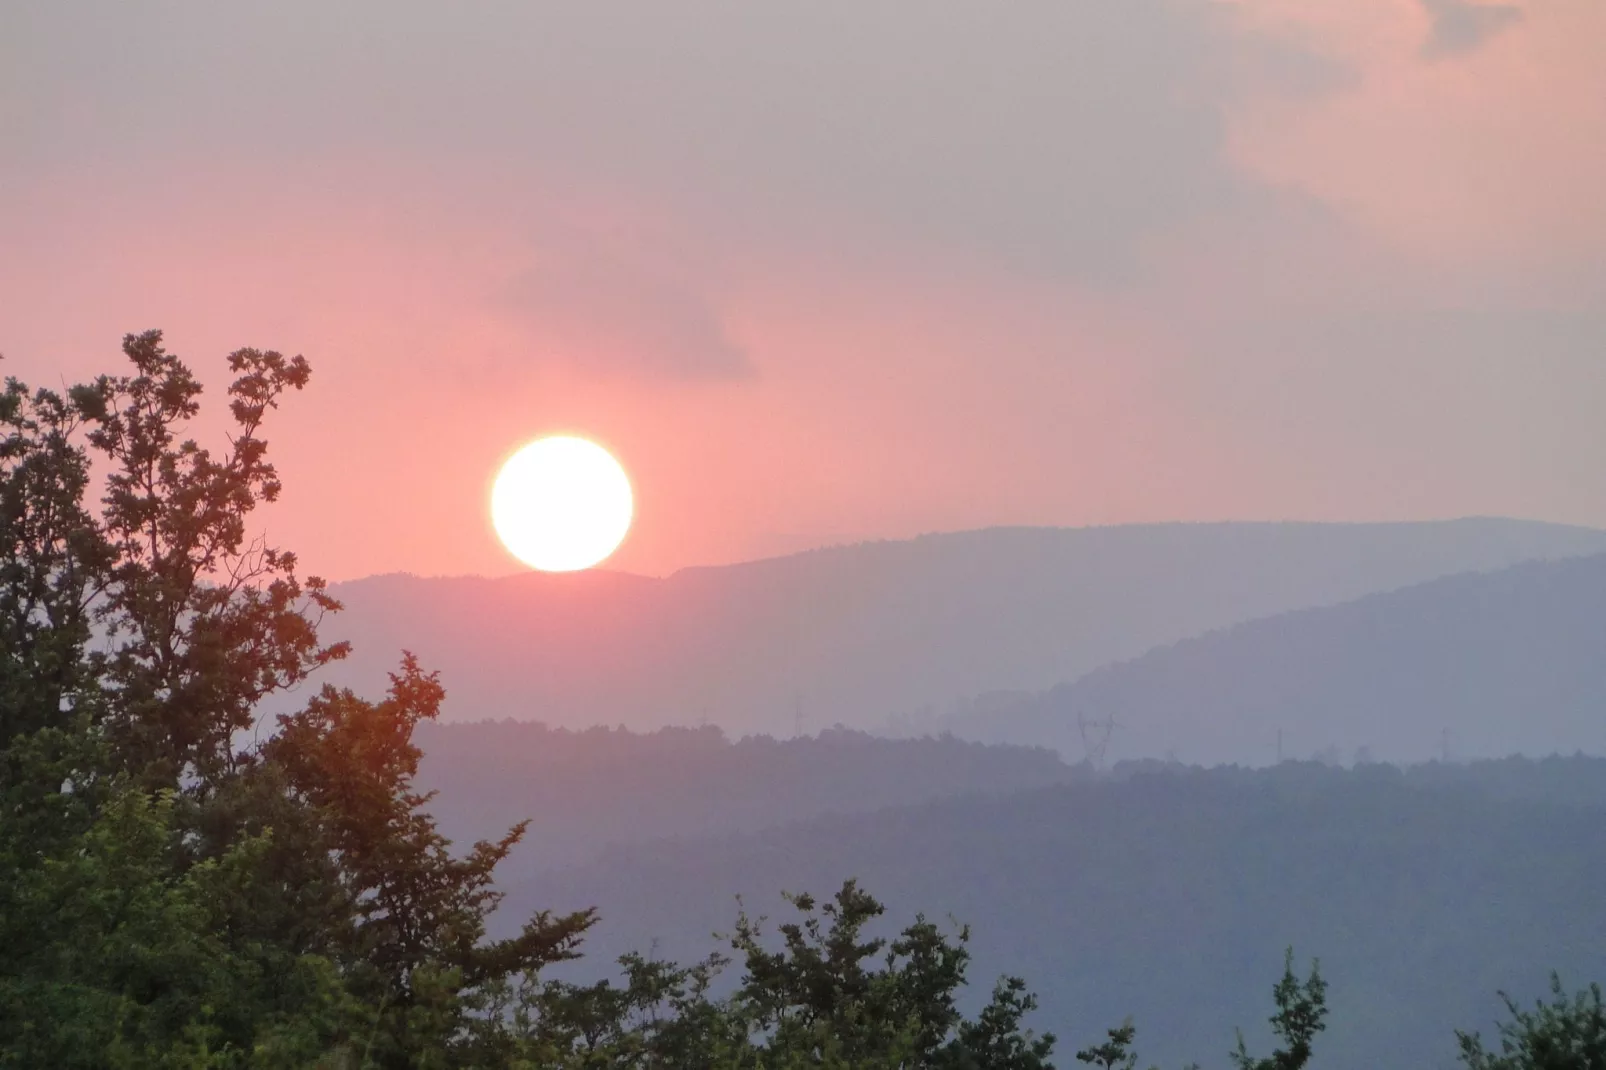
561	504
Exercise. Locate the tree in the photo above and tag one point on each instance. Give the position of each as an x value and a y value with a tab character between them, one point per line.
180	889
1116	1052
1568	1033
816	997
825	995
173	890
1301	1014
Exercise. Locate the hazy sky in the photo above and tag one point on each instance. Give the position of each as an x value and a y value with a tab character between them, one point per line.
834	270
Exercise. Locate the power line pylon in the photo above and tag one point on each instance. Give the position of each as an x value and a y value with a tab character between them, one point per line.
1095	738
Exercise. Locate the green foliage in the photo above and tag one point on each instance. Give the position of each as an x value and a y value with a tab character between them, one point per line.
1568	1033
174	890
118	956
1116	1052
831	991
1301	1014
826	995
179	888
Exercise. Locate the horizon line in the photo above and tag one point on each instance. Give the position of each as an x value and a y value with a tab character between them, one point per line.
828	547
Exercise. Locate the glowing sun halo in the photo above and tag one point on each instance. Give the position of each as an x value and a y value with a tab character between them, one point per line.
561	504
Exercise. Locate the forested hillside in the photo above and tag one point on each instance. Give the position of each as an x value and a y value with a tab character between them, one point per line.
814	535
1484	664
585	792
1170	895
860	634
187	882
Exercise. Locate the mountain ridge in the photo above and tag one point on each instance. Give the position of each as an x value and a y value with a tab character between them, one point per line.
856	634
1504	661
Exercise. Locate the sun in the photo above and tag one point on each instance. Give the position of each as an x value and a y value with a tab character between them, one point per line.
561	504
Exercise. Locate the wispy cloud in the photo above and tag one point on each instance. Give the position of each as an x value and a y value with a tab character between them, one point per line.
833	268
1460	26
606	313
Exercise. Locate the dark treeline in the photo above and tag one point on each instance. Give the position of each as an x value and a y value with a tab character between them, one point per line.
1170	894
1569	780
586	791
186	882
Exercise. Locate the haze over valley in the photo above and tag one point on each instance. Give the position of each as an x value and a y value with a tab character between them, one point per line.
896	636
955	535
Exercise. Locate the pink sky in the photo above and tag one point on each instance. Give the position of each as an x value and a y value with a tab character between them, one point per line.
832	273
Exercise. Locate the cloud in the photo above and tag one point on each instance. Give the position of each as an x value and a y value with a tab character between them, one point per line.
1286	67
606	312
1460	26
1161	257
1056	138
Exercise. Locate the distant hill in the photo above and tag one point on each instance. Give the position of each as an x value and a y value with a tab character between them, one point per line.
1507	662
862	633
1171	897
586	792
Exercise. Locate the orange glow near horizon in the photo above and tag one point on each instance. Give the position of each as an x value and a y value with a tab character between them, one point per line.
1310	268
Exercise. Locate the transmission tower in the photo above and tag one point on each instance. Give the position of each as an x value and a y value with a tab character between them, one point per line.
1095	737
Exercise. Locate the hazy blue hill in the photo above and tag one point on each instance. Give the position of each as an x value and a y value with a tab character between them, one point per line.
586	791
861	633
1509	662
1171	897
